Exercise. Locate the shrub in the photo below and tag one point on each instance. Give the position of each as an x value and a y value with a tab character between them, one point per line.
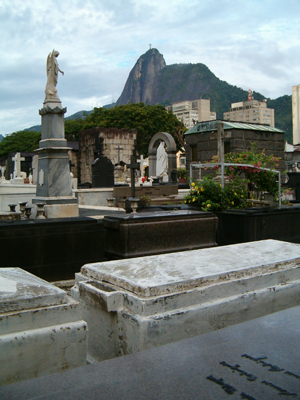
210	195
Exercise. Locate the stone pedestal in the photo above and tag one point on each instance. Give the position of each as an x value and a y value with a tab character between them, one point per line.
137	304
41	328
53	177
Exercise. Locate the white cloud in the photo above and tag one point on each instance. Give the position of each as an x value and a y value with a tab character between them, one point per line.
247	43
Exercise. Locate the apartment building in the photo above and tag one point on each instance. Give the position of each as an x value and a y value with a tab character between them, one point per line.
191	112
296	113
251	111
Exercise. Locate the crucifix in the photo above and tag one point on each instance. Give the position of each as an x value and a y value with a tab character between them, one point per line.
119	148
133	166
17	168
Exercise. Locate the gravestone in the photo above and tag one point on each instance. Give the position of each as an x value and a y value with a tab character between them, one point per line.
13	191
17	178
137	304
102	168
2	178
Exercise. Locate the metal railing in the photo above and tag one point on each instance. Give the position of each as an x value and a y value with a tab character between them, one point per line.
223	165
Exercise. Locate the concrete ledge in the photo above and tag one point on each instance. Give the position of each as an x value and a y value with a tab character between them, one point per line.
180	371
61	210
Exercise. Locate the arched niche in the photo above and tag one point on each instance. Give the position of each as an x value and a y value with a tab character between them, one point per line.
152	150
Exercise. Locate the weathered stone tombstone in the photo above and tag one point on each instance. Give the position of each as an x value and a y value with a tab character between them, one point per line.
41	328
54	182
152	153
119	168
102	168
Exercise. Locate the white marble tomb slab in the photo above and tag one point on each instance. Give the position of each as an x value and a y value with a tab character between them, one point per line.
41	330
135	304
20	290
169	273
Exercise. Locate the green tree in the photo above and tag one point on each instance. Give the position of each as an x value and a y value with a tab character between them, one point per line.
73	126
146	119
19	141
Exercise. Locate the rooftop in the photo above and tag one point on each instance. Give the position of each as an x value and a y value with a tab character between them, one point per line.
209	126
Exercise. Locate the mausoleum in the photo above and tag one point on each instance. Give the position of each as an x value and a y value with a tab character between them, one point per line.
202	142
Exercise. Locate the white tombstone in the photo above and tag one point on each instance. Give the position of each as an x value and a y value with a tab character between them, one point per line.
34	166
161	160
41	331
151	301
2	178
17	177
143	163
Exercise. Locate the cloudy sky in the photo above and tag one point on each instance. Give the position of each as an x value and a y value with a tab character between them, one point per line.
248	43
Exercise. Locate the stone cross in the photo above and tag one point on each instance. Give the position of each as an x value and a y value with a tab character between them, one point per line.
119	148
220	134
17	169
133	166
142	163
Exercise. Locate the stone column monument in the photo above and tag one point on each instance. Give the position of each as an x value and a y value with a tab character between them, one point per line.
53	177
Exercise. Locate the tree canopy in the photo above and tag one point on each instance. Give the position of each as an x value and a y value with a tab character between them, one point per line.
146	119
19	141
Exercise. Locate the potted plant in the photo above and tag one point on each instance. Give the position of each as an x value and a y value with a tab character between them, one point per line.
181	175
145	201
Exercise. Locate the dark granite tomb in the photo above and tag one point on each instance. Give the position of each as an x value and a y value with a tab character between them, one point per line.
148	233
52	249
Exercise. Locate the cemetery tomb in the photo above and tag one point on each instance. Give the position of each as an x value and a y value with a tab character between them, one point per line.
148	233
136	304
41	328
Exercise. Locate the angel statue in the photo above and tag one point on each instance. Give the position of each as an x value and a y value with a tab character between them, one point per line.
52	74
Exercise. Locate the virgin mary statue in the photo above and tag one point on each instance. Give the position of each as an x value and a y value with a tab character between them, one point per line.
52	74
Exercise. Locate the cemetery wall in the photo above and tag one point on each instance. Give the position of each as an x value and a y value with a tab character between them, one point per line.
112	138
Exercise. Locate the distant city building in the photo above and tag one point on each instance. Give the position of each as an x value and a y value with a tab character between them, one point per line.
191	112
296	114
251	111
